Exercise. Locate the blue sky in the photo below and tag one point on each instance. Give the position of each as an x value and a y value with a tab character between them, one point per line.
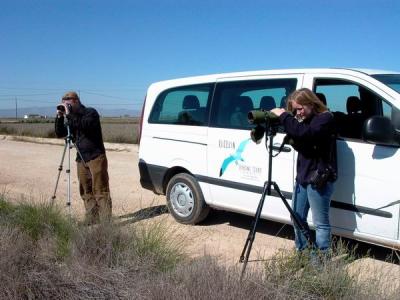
110	51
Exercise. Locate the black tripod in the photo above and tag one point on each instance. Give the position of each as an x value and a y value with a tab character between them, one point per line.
270	132
68	145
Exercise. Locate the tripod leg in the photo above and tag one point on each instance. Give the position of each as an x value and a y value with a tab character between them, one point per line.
68	171
244	257
60	167
79	154
295	218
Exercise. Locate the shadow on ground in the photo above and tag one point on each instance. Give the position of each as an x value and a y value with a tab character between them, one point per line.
143	214
285	231
265	227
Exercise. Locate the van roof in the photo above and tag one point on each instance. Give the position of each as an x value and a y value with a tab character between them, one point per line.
213	77
374	71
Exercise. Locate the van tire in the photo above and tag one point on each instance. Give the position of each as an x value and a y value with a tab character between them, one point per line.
185	200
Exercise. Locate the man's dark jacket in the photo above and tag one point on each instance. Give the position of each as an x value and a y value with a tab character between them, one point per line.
86	132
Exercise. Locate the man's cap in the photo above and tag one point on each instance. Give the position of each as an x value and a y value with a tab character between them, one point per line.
70	95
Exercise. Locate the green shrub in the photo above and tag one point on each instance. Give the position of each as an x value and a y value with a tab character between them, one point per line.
6	209
51	134
7	130
103	245
38	221
161	244
328	280
122	139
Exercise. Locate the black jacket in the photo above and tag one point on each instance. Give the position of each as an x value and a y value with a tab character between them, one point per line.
315	141
86	132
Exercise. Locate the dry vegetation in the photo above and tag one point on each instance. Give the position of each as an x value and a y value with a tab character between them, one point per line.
45	255
115	130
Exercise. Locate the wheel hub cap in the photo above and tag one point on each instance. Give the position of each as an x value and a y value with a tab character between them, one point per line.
182	199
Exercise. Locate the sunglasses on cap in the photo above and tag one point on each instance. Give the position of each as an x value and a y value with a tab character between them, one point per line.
68	98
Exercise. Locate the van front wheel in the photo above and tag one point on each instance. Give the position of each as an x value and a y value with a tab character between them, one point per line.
185	200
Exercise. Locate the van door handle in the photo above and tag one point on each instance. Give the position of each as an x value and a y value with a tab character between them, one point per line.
284	149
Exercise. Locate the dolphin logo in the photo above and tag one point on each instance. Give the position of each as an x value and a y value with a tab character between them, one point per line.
233	157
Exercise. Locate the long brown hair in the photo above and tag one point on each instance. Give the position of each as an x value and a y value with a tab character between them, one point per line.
305	96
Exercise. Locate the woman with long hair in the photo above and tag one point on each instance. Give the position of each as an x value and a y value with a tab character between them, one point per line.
311	126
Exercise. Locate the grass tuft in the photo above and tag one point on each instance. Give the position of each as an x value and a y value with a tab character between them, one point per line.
120	139
159	243
331	279
7	130
38	221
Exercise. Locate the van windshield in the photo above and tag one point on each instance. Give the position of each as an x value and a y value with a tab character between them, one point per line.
391	80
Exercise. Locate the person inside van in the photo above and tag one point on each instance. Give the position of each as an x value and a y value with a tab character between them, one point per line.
311	126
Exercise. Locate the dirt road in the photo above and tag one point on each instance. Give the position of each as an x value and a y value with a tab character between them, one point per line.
29	170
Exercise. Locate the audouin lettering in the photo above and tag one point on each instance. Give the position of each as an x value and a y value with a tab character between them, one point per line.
226	144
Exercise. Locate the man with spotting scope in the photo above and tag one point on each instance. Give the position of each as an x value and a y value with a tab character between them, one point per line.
92	165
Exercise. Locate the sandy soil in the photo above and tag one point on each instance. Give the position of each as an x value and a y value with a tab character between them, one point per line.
29	169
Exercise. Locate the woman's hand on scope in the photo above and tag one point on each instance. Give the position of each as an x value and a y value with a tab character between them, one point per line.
277	111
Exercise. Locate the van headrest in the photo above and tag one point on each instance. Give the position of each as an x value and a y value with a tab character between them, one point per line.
243	104
267	103
191	102
395	117
283	103
321	97
353	105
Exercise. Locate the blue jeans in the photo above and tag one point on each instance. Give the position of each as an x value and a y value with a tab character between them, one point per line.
305	197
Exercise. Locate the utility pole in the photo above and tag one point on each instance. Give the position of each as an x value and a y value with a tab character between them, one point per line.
16	109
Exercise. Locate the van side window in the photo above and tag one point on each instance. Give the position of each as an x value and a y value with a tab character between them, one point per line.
392	113
350	103
182	106
233	100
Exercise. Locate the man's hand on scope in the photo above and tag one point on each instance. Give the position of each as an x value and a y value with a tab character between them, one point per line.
63	109
278	111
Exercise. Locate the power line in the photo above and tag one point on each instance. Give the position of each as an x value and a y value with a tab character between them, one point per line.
103	95
126	105
54	101
28	100
27	95
114	103
135	88
32	89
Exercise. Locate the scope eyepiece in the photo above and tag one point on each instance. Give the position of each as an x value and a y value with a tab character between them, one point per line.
61	107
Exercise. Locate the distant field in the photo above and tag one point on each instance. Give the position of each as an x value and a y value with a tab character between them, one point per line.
115	130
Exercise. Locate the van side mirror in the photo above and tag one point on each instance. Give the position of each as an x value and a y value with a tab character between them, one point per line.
379	130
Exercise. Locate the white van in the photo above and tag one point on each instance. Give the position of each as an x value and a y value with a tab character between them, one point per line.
195	146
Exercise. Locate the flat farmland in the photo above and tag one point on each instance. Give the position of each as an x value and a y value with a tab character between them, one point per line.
115	130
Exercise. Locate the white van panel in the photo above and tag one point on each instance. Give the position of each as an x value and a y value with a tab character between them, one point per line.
251	169
176	145
367	178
